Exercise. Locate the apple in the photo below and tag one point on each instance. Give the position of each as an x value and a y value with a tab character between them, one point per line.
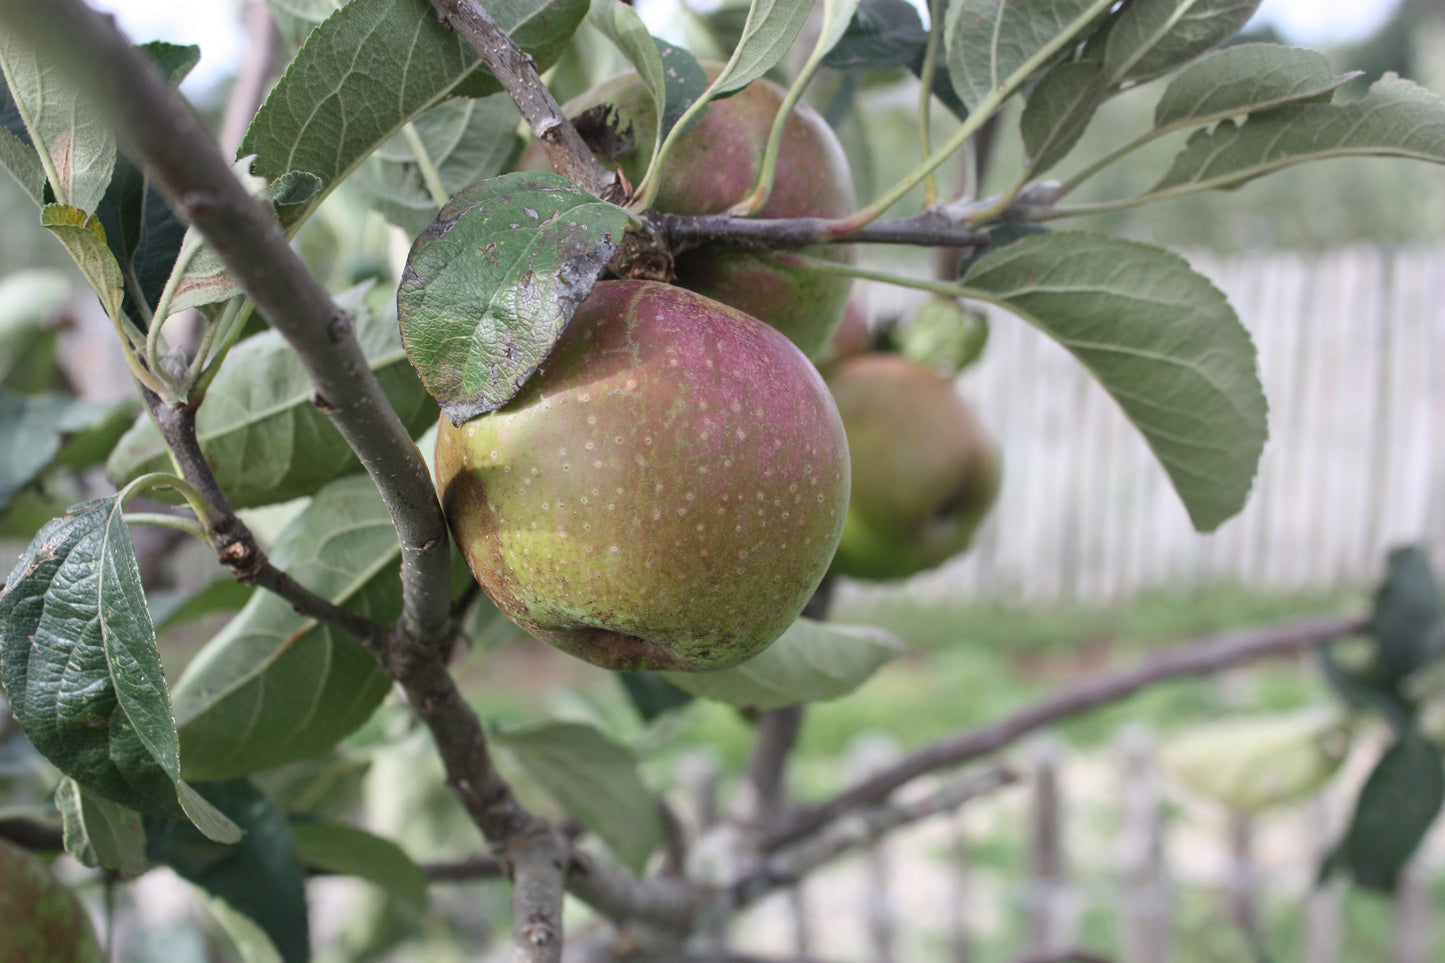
40	919
925	471
665	492
712	167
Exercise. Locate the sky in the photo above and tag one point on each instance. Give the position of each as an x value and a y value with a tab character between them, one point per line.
214	24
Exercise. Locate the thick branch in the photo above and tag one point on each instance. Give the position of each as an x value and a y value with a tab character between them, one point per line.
1194	658
32	834
929	229
517	73
157	128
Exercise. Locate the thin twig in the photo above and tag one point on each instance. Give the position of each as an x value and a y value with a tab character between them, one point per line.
517	73
32	834
929	229
1193	658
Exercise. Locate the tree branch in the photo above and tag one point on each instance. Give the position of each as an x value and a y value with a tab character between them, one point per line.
517	73
32	834
929	229
1190	659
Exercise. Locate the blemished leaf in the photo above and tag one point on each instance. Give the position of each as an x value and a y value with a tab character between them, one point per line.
33	430
84	238
1406	621
259	876
373	66
79	662
811	662
1243	79
768	34
63	123
345	850
260	429
1148	38
1396	119
595	780
988	43
1160	338
1395	809
882	34
100	833
273	686
467	139
490	286
1058	112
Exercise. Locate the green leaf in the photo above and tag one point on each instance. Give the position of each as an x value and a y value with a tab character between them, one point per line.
1160	338
84	237
224	594
988	42
1406	621
260	429
1395	809
1396	119
33	429
75	140
346	850
811	662
651	695
260	876
375	65
20	159
468	141
768	34
490	286
250	941
79	662
1243	79
882	34
594	780
100	833
1147	38
273	686
1059	110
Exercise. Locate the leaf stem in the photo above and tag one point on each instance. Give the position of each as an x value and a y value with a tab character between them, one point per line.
925	97
177	523
430	175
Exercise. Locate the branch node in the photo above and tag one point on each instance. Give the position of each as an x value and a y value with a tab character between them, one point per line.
340	328
324	406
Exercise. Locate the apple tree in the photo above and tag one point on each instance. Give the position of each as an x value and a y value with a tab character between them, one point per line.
615	337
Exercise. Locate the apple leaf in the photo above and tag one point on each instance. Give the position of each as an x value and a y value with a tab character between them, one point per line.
768	34
33	432
31	302
991	45
1243	79
274	686
346	850
84	238
17	153
467	139
261	431
373	66
79	662
1147	38
1396	119
77	148
1058	111
1160	338
596	782
100	833
1406	622
882	34
491	285
811	662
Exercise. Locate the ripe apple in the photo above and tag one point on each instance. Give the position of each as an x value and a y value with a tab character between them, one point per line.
665	492
40	919
712	167
925	471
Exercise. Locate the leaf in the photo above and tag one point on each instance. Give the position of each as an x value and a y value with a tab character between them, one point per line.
651	695
1395	809
250	941
882	34
79	661
1243	79
260	876
63	123
17	152
346	850
374	65
273	686
33	429
1396	119
989	43
468	141
490	286
224	594
1059	110
1147	38
1406	621
768	34
84	237
594	780
1160	338
260	429
811	662
100	833
143	235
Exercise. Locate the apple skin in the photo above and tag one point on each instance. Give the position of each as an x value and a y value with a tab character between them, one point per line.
712	167
40	919
665	492
925	471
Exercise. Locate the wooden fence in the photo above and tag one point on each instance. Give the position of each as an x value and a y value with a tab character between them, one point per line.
1350	347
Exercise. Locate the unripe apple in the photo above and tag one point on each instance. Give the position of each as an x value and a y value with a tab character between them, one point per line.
665	492
925	471
714	166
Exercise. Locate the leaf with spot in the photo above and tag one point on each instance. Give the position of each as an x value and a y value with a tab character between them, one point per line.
491	285
1160	338
83	237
